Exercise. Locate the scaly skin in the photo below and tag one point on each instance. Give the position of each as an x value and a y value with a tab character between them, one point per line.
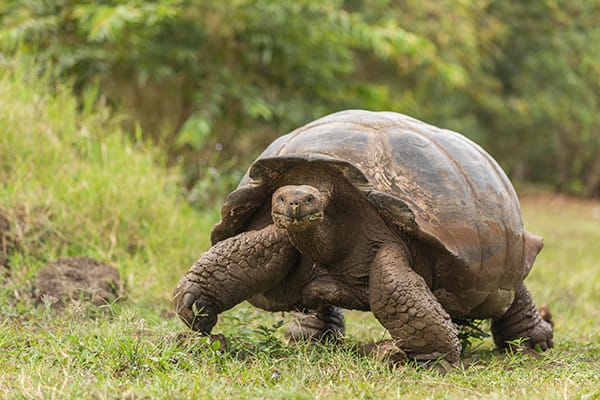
522	320
403	303
230	272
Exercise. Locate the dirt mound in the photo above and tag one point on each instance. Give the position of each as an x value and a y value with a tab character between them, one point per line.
78	279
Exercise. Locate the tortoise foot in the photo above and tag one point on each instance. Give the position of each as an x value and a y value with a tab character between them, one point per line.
325	324
523	325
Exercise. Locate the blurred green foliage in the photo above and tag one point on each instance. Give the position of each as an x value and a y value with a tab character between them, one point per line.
213	82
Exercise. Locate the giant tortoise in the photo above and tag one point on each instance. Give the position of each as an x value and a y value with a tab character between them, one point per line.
373	211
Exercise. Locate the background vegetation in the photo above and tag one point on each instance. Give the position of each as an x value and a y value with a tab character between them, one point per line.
214	81
123	124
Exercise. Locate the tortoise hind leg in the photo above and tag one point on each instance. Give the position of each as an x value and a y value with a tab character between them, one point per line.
522	320
401	300
326	323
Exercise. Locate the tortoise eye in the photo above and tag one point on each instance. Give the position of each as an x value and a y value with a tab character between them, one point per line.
281	199
309	199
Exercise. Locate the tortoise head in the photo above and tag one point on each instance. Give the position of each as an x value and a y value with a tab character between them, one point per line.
297	208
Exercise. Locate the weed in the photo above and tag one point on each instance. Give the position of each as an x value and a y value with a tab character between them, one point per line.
469	331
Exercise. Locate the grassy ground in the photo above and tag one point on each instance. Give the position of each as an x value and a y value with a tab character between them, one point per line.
71	185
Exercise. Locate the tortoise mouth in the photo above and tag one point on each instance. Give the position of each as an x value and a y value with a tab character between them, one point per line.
296	222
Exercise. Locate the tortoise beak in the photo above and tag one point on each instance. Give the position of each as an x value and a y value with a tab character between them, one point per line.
295	208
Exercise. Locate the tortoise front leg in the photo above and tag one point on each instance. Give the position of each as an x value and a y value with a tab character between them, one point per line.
401	300
230	272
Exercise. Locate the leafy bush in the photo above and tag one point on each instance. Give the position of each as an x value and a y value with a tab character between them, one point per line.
228	75
214	81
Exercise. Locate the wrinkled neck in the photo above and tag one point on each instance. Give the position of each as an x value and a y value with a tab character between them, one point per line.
317	242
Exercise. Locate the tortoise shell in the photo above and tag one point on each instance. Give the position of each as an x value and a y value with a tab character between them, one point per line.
433	183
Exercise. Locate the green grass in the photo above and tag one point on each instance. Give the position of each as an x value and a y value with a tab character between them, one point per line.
72	184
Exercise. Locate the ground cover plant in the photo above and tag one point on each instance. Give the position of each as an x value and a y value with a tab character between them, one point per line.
72	183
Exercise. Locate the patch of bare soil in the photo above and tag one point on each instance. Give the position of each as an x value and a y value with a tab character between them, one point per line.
77	279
